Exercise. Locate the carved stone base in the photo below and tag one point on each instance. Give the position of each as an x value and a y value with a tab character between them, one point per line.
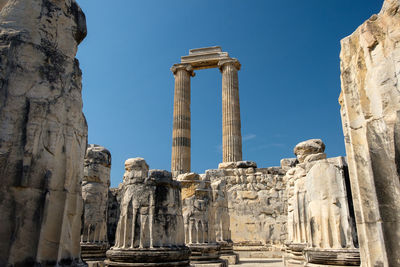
93	251
231	259
206	255
294	255
335	257
204	252
226	253
165	257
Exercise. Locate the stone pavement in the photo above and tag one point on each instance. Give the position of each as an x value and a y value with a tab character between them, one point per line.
259	262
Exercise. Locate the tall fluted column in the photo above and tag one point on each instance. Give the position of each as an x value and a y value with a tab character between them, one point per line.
180	160
231	135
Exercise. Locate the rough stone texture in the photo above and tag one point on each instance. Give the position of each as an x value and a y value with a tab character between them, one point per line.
95	184
150	227
237	164
321	228
199	219
257	209
307	148
330	217
222	222
296	216
43	133
288	163
370	71
113	212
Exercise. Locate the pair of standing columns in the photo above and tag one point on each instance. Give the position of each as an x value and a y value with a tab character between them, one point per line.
231	125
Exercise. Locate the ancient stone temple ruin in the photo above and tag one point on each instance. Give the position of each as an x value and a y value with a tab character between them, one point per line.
57	208
204	58
256	205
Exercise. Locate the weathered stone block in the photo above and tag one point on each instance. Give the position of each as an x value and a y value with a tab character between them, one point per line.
150	227
370	110
95	183
43	132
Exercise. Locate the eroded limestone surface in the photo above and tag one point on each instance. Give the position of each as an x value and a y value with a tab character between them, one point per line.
199	220
222	221
43	132
113	212
257	206
321	228
370	109
150	227
95	184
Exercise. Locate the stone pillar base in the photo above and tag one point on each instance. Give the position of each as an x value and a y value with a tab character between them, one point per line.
336	257
206	255
164	257
294	255
93	251
226	253
230	258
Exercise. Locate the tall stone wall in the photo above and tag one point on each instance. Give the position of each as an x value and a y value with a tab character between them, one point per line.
43	132
370	110
257	205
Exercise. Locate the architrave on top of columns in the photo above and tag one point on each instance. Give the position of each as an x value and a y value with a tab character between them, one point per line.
205	57
183	66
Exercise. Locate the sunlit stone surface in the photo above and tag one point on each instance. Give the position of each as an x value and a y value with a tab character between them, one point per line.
95	184
150	226
42	132
370	97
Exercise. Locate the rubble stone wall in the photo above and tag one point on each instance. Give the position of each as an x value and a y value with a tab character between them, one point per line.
257	204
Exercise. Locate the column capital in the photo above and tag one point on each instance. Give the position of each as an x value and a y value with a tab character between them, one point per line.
186	67
233	61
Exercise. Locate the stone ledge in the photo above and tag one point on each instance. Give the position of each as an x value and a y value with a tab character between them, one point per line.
211	263
346	257
147	264
204	252
231	259
148	255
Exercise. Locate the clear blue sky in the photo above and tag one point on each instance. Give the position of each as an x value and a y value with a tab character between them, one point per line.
289	82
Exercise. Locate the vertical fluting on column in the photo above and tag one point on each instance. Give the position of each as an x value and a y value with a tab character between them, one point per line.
231	125
180	160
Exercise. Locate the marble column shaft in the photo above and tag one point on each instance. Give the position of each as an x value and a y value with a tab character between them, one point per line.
231	126
180	161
